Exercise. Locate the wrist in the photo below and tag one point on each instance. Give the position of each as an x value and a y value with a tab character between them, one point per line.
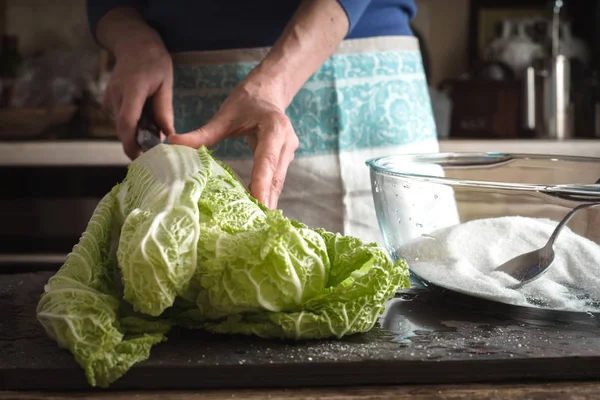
149	43
316	29
269	85
123	31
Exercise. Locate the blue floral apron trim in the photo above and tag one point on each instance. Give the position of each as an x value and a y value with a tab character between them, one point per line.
353	102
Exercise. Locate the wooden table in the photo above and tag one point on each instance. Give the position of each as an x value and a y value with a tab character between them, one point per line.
541	391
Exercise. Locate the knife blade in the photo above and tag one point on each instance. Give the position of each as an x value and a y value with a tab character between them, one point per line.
148	131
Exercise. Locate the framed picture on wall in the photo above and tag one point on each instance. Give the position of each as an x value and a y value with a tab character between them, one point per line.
486	17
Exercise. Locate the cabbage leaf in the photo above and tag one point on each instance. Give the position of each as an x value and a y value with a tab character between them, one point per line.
181	242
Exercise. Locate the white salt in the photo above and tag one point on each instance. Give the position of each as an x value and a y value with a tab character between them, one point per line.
462	258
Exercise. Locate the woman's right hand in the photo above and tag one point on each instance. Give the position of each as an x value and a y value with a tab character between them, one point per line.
139	74
143	69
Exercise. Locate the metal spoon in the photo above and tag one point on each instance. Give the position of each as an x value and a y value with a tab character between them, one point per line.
530	266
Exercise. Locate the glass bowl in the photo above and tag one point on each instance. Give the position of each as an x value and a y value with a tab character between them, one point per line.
454	217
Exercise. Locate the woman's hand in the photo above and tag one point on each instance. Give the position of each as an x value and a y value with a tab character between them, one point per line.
143	69
256	111
138	75
256	107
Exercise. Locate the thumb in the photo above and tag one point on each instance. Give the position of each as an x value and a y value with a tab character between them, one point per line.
208	135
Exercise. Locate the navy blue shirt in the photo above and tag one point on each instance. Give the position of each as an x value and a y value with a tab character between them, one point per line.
196	25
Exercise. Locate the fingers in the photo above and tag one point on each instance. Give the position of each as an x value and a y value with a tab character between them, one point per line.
137	76
163	107
274	144
287	156
208	135
267	156
127	119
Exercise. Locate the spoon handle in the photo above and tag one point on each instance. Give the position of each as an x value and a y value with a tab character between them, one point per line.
566	220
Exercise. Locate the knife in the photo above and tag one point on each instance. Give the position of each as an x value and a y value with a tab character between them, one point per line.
148	131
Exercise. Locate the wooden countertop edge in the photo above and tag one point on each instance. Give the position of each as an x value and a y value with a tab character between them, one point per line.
547	391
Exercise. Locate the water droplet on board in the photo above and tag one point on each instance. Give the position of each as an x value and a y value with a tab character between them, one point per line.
404	342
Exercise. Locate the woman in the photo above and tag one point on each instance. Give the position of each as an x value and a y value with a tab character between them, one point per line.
326	83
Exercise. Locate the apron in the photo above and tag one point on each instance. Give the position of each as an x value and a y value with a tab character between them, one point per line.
369	99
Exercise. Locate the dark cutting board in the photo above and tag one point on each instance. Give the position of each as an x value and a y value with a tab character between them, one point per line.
426	337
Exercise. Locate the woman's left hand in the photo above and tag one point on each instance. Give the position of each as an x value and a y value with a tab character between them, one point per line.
256	107
256	111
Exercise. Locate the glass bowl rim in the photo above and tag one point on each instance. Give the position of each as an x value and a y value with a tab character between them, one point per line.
584	192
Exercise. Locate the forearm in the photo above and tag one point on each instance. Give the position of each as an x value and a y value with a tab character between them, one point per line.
312	35
124	30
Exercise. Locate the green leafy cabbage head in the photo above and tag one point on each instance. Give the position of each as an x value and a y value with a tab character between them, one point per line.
181	242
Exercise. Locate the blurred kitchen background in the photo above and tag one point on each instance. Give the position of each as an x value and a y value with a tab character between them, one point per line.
491	67
501	80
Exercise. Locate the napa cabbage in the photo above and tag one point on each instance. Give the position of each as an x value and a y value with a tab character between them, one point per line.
181	242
